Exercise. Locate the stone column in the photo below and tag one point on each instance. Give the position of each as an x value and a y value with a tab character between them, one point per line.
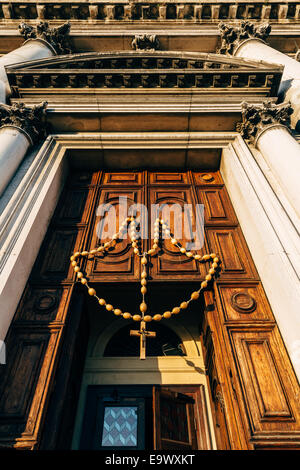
267	127
21	127
248	41
40	42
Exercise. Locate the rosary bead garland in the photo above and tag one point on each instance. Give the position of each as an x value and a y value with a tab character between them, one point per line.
143	316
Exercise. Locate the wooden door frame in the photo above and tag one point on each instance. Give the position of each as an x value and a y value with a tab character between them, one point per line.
49	168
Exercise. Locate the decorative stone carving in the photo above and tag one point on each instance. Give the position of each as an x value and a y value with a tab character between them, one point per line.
232	36
56	37
30	120
255	119
148	42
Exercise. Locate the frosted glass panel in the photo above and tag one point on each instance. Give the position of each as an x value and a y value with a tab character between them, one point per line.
120	426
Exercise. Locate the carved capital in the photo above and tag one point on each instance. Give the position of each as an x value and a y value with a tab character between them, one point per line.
232	36
256	119
148	42
30	120
57	38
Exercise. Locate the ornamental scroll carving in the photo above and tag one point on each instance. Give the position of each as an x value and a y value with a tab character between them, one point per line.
145	42
232	36
30	119
255	119
56	37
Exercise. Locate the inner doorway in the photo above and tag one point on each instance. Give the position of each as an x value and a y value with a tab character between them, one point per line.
160	403
143	418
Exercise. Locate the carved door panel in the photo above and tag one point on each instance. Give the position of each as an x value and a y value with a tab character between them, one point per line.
120	262
177	206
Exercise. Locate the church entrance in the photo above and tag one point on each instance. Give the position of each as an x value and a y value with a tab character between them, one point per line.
224	348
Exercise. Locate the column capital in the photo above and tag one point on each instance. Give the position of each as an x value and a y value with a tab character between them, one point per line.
233	36
29	120
56	38
145	42
257	119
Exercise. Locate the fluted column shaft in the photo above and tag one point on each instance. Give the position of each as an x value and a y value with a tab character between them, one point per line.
290	83
21	127
33	49
267	127
41	42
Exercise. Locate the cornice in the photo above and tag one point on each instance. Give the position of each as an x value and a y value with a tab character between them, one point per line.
143	69
150	10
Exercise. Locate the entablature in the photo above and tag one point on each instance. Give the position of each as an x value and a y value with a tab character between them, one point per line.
138	70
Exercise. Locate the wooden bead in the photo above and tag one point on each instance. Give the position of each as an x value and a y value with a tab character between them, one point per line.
167	315
74	263
100	248
208	277
157	317
143	307
151	251
211	271
72	258
155	246
79	275
203	284
216	260
102	302
143	290
182	250
144	274
83	281
127	315
137	317
91	291
109	307
213	255
84	253
76	254
77	269
117	311
206	257
184	305
144	282
197	257
144	260
134	244
92	252
147	318
195	295
214	265
174	241
106	245
136	250
189	254
176	310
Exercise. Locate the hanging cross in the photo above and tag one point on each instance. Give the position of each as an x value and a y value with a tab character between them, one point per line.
143	334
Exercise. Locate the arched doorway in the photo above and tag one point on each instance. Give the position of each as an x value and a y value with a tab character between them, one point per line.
160	403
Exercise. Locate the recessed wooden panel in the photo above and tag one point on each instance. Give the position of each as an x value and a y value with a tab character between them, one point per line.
121	260
207	178
230	246
76	206
118	178
265	378
171	261
217	207
168	178
244	303
55	253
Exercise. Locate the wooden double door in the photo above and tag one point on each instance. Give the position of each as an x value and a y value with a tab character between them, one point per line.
144	417
253	388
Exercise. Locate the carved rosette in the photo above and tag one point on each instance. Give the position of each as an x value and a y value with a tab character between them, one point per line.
30	120
232	36
145	42
256	119
57	38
